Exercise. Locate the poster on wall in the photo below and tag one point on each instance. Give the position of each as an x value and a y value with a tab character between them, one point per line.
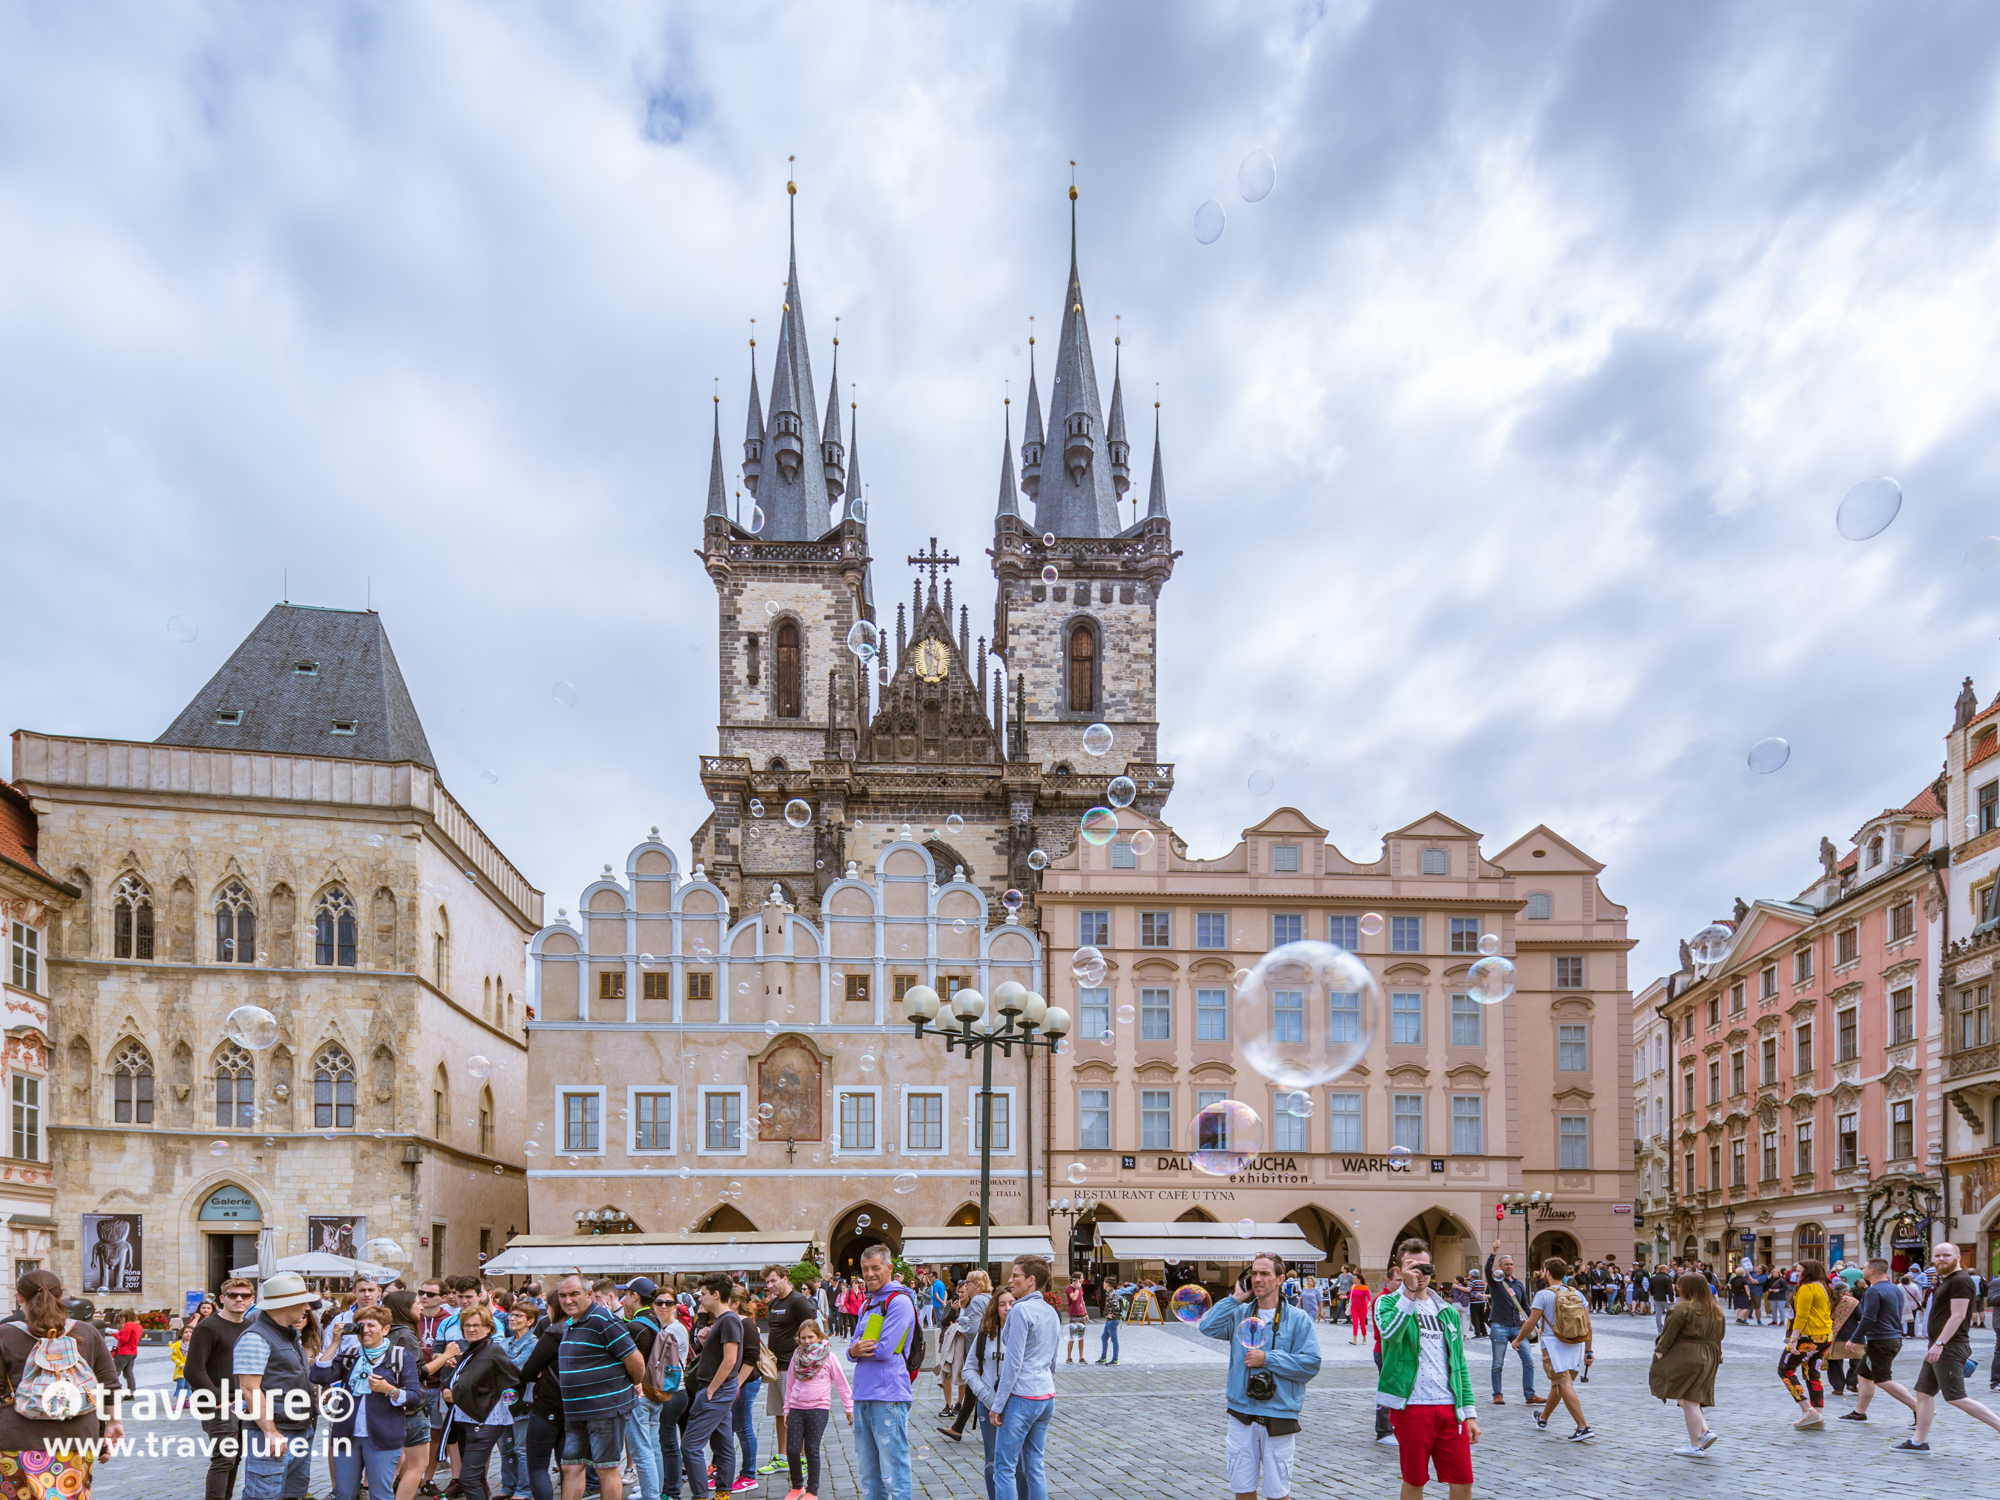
113	1253
339	1234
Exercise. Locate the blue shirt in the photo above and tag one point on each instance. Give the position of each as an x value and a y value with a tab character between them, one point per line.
590	1367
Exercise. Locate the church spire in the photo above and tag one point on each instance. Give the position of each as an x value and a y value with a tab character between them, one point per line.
753	433
1080	499
1009	506
1031	433
856	508
718	499
832	455
1156	496
793	490
1121	471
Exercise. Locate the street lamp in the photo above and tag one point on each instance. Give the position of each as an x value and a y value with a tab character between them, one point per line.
1024	1019
1521	1203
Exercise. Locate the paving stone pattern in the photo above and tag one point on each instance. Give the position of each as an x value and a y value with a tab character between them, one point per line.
1152	1426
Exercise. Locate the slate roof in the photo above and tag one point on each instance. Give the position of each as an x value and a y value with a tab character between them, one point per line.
291	712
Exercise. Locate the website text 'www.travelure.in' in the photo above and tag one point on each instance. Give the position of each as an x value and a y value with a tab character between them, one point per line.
159	1445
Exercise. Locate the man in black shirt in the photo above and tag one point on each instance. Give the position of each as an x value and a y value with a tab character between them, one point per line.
1950	1347
1879	1331
211	1356
1506	1310
786	1311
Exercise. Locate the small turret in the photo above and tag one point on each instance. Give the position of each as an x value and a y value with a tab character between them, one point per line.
1156	496
1009	505
718	497
1121	451
856	508
1031	435
832	455
753	435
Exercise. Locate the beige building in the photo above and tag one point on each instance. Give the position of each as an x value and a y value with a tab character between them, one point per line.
31	903
1652	1127
1453	1103
286	843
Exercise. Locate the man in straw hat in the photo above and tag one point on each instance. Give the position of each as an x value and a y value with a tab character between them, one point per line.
271	1370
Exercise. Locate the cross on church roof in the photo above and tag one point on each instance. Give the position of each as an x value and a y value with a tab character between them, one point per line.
934	560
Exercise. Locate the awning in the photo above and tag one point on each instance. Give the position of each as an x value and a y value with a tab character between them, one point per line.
944	1243
1226	1243
627	1255
322	1264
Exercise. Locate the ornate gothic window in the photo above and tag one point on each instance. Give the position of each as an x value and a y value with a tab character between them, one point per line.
333	929
132	1085
1082	669
235	926
235	1087
788	671
333	1091
131	919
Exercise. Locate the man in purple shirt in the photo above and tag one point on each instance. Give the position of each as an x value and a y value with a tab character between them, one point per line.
882	1393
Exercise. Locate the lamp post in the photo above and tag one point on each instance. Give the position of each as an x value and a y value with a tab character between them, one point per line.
1521	1203
1071	1210
1024	1020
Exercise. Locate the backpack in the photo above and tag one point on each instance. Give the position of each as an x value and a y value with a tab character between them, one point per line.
52	1362
1572	1319
913	1356
663	1378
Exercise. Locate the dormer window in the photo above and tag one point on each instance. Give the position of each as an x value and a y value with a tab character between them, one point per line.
1436	862
345	726
229	716
1875	851
305	669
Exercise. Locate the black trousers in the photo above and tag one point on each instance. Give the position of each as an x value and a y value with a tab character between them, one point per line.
475	1457
967	1405
804	1431
225	1459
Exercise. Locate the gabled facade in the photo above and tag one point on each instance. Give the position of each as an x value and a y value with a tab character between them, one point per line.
1968	1052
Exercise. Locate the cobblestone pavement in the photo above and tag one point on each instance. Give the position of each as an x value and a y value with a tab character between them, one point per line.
1153	1426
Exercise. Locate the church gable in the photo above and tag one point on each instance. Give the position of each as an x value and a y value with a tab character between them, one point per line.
931	709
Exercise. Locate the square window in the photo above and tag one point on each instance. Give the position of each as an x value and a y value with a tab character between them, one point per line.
1902	1130
1156	929
1902	921
1344	932
1768	1154
1902	1014
1847	945
1465	934
1343	1118
856	987
1156	1015
1156	1120
1123	857
1989	807
1406	1019
1848	1034
656	986
1736	998
653	1121
581	1121
1573	1131
1767	1061
25	965
1468	1125
1093	1120
1211	1015
1436	862
1569	972
1093	929
1406	934
1003	1134
923	1121
1284	859
1573	1048
1802	1148
722	1121
857	1121
1288	1131
1468	1028
1715	1080
1847	1140
1287	927
1407	1121
1540	907
904	983
701	985
27	1103
1739	1161
1093	1009
1211	929
1736	1072
611	984
1802	1047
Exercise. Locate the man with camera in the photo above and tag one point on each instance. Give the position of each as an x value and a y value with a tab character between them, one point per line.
1273	1352
1425	1383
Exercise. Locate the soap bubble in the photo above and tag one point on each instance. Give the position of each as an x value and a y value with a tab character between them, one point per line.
1306	1013
770	1029
282	1090
1224	1137
251	1026
1400	1153
1261	783
867	1062
862	1222
646	960
1256	176
1491	980
1190	1303
1121	791
1011	899
864	639
490	776
565	693
959	924
798	812
685	1173
1038	859
1049	573
953	823
1126	1015
1108	1040
1086	960
1868	508
771	608
1208	222
1099	825
531	1150
756	807
1142	842
383	1252
1246	1228
1298	1104
376	841
498	1169
1711	944
1078	1173
904	1182
1250	1332
756	520
1371	924
182	629
735	1188
1489	943
478	1066
1048	537
1097	740
1769	754
219	1148
1983	553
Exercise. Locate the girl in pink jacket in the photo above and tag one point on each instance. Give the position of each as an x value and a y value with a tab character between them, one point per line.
811	1379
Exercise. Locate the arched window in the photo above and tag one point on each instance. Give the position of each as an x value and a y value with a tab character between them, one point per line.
235	1088
131	919
1812	1243
1875	851
1082	669
788	670
235	926
486	1122
486	998
333	1091
441	1105
333	929
441	952
132	1085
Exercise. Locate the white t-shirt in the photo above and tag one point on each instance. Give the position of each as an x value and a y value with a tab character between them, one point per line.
1562	1356
1433	1387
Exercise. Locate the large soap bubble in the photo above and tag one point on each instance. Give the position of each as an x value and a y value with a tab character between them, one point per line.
1868	508
1190	1303
1306	1013
251	1026
1224	1138
1711	944
1491	980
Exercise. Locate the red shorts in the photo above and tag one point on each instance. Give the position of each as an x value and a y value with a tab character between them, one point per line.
1427	1434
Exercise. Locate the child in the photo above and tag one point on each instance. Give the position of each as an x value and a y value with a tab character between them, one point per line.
809	1405
177	1351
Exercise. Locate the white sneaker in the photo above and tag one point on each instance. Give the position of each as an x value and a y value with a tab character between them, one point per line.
1687	1450
1707	1440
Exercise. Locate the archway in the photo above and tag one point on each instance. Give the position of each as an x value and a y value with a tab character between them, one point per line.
1450	1241
726	1218
1552	1242
863	1225
1326	1233
1197	1216
966	1215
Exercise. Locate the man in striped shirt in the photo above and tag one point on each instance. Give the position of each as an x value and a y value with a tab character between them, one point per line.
598	1369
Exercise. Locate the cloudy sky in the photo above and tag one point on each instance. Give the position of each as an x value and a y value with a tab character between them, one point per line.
1504	438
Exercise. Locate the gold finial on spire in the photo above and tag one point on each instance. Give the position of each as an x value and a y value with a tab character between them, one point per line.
1072	181
1031	330
753	333
1118	322
836	331
791	183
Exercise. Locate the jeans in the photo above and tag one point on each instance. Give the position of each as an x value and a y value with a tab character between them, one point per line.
1659	1317
475	1458
805	1429
708	1425
1499	1339
989	1439
671	1417
1017	1455
224	1458
882	1449
1108	1340
514	1457
278	1476
642	1441
379	1464
744	1423
544	1440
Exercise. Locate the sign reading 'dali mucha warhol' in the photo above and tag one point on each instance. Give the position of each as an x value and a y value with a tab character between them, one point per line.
113	1253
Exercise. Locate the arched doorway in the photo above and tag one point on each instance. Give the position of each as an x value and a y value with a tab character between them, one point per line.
863	1225
965	1216
230	1219
1327	1235
1552	1242
726	1218
1450	1241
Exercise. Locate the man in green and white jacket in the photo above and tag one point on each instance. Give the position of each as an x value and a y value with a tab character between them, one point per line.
1424	1380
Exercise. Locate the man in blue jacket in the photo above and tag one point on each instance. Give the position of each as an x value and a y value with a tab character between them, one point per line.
1267	1379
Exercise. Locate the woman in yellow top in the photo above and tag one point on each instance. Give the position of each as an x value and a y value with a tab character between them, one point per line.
177	1350
1805	1345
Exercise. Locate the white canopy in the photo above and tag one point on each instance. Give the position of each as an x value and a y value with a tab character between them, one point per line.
322	1263
629	1255
1195	1241
943	1243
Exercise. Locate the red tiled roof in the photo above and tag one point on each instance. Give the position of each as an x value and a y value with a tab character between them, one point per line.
1853	859
17	832
1985	752
1924	804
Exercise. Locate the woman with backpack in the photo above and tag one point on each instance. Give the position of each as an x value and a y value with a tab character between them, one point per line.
372	1387
37	1356
1566	1352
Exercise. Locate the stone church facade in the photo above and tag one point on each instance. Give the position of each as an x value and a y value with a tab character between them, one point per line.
286	843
